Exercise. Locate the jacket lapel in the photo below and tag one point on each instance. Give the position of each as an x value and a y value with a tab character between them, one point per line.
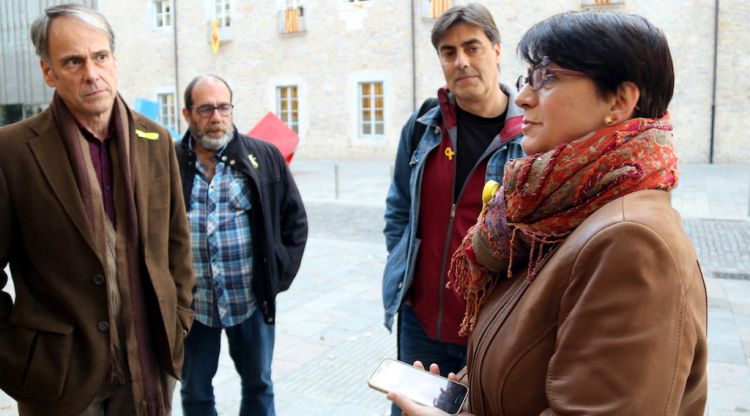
52	157
246	157
142	178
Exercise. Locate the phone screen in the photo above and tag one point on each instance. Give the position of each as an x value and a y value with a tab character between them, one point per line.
421	386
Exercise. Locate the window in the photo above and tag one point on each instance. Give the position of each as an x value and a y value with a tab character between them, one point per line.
219	26
11	113
287	106
291	17
163	13
167	110
223	13
291	4
432	9
371	104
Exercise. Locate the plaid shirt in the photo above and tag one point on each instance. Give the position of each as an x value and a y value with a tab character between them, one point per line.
222	246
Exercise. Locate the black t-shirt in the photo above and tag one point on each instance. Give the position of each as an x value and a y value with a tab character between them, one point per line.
475	133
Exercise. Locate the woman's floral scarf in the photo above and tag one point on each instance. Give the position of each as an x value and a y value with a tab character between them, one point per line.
544	198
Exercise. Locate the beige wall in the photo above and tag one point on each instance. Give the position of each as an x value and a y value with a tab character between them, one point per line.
344	44
144	52
733	83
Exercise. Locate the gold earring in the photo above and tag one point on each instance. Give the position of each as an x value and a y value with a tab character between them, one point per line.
608	120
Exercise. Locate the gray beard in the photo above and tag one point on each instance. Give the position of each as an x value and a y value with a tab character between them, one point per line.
213	144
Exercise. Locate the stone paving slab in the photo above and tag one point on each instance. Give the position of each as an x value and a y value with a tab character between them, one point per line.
723	245
713	191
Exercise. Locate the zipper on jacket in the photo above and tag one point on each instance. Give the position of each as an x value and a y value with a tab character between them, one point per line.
446	251
444	272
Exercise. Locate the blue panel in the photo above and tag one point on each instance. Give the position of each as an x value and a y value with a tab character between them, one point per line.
148	108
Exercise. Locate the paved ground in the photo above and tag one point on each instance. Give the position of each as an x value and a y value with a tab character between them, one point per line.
329	331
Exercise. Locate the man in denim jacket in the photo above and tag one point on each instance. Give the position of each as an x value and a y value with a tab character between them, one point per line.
469	136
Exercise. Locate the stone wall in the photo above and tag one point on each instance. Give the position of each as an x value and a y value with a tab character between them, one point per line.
344	44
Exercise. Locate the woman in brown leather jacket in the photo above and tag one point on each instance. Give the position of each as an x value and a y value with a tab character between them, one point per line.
584	293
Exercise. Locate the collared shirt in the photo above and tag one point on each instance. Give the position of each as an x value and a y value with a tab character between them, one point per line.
221	236
100	158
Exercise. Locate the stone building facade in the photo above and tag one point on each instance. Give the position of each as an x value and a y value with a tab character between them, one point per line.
23	92
348	73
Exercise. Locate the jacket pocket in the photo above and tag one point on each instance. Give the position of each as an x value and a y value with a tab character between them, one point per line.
35	361
281	254
182	326
396	275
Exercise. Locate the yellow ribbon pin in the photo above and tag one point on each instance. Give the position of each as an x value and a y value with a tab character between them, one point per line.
253	161
148	135
489	190
449	153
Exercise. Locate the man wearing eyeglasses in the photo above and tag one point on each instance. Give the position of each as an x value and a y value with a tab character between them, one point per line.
436	193
248	229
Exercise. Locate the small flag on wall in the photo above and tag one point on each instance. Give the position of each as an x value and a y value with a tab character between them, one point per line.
215	36
439	7
291	20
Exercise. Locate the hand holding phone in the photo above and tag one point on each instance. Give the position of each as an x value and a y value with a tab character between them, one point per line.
411	408
419	385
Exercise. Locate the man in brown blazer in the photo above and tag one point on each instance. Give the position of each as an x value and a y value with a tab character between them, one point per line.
93	226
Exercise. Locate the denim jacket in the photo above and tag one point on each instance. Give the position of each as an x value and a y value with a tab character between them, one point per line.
403	199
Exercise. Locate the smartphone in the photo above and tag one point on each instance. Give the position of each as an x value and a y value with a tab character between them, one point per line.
421	386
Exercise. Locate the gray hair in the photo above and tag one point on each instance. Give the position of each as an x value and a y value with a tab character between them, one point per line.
92	18
472	14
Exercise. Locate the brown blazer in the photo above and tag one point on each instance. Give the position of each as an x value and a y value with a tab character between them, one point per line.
54	346
614	324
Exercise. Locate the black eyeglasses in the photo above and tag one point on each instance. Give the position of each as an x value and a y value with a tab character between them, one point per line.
207	110
540	74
